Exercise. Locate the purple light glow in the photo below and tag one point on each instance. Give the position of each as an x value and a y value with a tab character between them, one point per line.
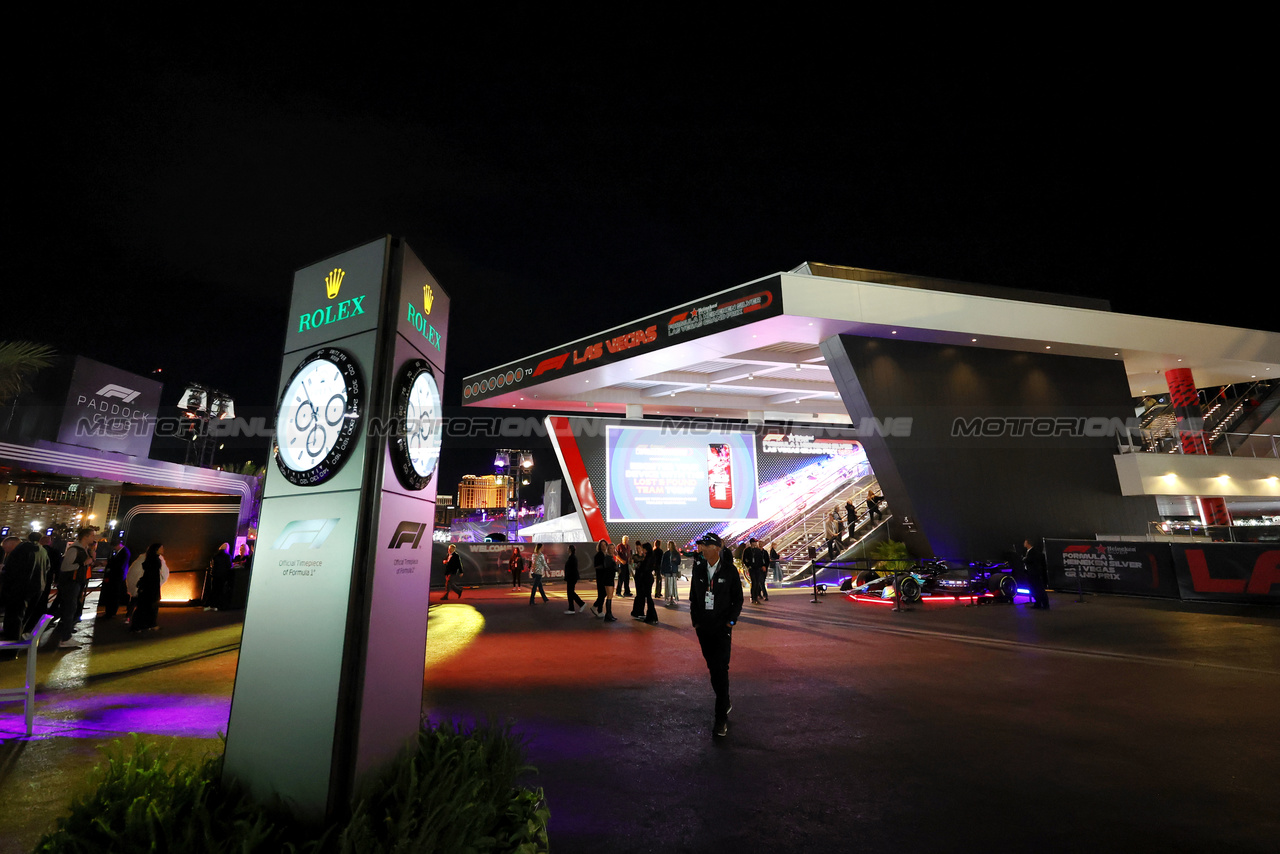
185	715
548	743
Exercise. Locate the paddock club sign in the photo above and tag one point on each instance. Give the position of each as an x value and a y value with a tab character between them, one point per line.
716	313
109	409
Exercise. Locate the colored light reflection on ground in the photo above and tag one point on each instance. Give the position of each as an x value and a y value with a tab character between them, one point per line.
94	715
864	598
451	627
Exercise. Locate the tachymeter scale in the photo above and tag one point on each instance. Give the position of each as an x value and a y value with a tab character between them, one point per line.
319	417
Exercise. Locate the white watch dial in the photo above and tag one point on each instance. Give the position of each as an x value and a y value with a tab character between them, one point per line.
311	415
423	421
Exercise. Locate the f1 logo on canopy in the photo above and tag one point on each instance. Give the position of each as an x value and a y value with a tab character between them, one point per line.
304	532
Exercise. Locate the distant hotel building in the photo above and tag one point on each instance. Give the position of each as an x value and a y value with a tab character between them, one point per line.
483	492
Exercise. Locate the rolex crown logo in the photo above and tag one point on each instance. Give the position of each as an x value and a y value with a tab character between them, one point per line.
333	281
427	296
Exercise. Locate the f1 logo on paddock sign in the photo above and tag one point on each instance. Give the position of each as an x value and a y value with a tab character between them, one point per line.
126	395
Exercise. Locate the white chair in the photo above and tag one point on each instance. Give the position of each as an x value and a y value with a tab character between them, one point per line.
28	694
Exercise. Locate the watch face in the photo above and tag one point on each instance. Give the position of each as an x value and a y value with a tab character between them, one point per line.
319	417
415	449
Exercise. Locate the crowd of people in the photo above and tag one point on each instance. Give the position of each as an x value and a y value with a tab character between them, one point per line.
646	572
835	525
35	569
716	574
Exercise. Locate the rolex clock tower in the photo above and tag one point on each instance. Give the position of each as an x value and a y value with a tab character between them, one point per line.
329	684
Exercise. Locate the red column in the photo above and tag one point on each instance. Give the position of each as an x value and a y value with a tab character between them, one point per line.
1186	408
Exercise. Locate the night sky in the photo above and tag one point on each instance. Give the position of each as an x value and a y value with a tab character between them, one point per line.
560	177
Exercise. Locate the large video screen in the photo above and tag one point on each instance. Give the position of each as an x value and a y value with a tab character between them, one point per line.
657	475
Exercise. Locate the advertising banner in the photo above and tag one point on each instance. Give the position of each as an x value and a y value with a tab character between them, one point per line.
761	478
1228	572
1141	569
716	313
109	409
658	475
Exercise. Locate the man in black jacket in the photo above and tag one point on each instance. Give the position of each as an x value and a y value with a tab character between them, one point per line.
219	575
757	560
715	602
114	594
452	572
73	575
25	570
1037	575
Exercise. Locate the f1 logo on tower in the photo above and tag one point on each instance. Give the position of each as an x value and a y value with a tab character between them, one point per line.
311	532
407	532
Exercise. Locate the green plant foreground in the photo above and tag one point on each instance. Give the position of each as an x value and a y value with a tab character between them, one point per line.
455	792
892	556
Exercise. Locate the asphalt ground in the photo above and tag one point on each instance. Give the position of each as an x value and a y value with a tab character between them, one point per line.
1116	723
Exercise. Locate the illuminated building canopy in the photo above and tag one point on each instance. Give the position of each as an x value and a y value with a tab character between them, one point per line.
753	351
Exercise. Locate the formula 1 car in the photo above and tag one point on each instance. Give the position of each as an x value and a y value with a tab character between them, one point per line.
936	578
911	584
979	578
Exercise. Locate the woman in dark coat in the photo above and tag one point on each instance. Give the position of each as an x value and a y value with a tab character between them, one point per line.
571	581
623	555
671	572
605	569
517	564
154	574
646	571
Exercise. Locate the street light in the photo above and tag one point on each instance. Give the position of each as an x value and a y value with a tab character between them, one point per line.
517	464
202	405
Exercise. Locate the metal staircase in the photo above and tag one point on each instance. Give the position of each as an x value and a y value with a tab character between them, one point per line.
809	529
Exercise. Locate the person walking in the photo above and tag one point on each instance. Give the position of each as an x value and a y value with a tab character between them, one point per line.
146	589
219	575
605	570
26	568
540	569
830	531
55	562
1037	575
715	603
452	573
571	582
516	564
73	574
114	595
642	608
624	567
775	563
671	572
873	508
756	560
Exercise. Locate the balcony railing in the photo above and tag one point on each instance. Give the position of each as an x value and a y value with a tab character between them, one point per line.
1256	445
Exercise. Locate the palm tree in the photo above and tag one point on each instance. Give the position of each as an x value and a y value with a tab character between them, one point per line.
18	361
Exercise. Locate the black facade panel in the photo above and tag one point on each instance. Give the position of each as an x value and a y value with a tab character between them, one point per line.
1002	446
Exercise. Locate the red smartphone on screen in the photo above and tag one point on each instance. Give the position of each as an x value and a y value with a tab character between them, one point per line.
719	477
